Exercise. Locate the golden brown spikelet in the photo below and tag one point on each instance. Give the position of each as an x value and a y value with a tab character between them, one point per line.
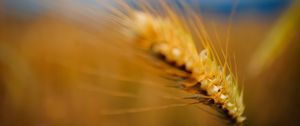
168	37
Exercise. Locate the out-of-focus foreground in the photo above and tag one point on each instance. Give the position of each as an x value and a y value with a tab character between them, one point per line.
60	64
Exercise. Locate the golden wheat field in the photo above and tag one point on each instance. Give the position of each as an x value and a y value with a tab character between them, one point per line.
149	62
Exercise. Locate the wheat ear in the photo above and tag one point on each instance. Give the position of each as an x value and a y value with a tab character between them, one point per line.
166	36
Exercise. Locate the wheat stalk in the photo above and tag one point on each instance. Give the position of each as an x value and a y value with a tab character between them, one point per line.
169	36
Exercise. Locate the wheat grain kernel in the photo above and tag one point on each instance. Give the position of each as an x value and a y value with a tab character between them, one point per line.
213	90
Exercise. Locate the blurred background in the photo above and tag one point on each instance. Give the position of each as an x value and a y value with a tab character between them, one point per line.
61	64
